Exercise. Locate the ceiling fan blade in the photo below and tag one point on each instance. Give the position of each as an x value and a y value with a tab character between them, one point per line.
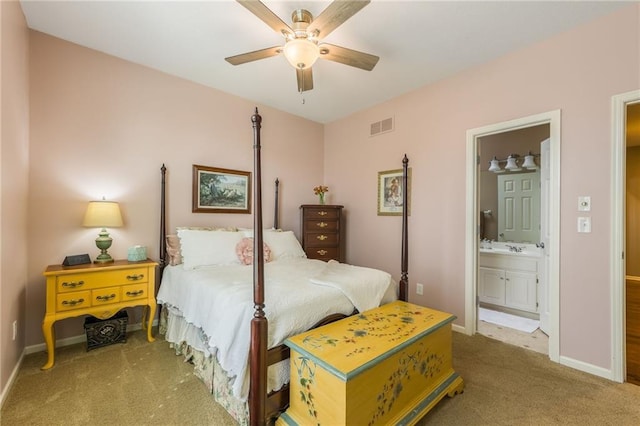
349	57
335	15
267	16
305	79
254	56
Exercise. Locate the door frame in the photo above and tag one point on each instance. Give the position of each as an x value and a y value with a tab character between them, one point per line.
472	221
618	187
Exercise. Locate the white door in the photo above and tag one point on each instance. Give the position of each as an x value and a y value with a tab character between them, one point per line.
519	207
545	235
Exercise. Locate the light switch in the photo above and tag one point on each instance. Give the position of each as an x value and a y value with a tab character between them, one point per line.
584	224
584	203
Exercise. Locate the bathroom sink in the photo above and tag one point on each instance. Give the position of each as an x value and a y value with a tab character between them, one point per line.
512	249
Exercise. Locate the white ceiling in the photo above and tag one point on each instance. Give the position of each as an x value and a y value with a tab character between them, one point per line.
418	42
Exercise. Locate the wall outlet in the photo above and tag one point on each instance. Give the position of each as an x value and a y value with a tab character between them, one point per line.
15	329
419	289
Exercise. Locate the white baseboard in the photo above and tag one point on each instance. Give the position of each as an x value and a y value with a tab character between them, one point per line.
587	368
459	329
12	378
81	338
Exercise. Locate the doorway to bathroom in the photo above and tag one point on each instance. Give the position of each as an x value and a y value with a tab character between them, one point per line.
512	256
511	281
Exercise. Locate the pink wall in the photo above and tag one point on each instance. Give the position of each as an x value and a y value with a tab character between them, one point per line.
102	126
577	72
14	161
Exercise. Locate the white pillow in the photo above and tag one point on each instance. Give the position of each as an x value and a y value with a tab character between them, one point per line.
207	248
248	232
284	245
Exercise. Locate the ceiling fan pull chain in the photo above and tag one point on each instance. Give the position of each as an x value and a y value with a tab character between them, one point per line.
301	89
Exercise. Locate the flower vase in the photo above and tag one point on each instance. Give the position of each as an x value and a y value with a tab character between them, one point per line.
321	197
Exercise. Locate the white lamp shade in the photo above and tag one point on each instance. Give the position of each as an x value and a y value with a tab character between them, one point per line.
301	53
494	166
529	162
511	164
103	214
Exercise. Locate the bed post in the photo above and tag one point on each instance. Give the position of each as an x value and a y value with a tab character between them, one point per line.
258	355
276	223
404	278
163	228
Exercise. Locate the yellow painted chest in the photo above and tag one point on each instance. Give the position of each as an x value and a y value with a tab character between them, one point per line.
388	365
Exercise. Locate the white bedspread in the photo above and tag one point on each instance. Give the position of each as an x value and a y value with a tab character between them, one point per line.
352	279
219	300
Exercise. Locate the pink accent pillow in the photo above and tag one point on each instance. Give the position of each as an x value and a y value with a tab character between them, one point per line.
173	250
244	250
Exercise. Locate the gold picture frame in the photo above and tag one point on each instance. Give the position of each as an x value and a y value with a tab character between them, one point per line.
390	190
217	190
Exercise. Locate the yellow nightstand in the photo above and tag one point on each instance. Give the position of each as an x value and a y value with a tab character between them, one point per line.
99	290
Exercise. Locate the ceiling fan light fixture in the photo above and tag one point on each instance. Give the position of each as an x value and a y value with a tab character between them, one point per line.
301	53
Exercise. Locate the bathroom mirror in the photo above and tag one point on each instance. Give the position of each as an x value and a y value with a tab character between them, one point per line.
509	201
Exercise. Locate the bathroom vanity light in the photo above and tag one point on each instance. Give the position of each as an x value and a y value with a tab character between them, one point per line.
529	162
512	163
494	166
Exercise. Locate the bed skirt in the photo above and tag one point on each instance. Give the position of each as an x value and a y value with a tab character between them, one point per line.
187	340
192	343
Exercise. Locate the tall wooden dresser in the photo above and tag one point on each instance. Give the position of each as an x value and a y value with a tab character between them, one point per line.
323	232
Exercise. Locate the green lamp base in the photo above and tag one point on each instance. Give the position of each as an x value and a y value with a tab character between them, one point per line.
103	242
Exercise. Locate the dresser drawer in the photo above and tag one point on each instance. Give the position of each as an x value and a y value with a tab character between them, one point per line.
87	281
136	291
74	300
322	253
321	225
320	213
320	239
105	296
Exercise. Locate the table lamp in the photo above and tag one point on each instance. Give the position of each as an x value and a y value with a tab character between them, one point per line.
103	214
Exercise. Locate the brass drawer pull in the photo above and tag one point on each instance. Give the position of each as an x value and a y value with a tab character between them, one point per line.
322	237
105	298
73	284
322	252
323	213
72	302
135	277
134	293
322	224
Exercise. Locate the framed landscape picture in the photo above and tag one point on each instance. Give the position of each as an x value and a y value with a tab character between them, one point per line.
390	192
218	190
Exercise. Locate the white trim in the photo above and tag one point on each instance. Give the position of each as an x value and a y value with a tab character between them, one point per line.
618	186
471	236
73	340
585	367
12	378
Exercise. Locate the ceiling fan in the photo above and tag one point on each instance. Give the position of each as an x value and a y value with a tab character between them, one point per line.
302	39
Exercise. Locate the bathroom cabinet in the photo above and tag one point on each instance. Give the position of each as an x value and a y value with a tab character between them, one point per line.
509	280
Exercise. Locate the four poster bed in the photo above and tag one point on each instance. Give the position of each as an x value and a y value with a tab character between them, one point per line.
209	305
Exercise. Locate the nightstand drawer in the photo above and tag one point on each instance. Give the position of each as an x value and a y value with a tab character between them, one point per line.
105	296
137	291
74	282
313	239
75	300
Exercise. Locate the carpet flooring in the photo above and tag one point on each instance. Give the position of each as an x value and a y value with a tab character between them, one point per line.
141	383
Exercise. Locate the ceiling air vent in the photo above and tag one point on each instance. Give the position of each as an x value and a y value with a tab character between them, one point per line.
380	127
